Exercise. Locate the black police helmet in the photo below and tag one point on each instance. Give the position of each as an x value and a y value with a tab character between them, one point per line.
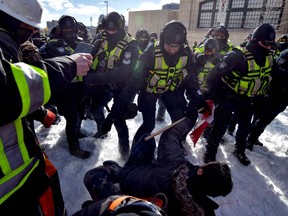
142	33
283	39
211	44
174	32
113	21
282	59
154	35
67	22
264	32
221	32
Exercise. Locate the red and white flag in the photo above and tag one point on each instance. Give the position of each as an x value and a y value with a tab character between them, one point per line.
202	123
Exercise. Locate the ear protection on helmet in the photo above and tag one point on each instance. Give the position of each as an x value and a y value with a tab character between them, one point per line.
173	22
121	20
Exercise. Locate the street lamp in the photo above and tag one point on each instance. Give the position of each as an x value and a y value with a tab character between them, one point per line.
106	7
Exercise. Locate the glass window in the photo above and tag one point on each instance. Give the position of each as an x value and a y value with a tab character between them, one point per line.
242	13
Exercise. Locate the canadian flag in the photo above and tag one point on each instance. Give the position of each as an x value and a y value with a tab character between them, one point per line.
203	121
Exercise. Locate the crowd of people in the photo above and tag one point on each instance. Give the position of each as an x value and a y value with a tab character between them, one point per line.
76	76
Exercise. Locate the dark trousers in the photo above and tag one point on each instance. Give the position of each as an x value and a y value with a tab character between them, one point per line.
174	102
226	105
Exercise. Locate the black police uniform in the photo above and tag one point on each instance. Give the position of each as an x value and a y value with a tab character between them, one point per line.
174	100
233	94
71	101
274	103
110	73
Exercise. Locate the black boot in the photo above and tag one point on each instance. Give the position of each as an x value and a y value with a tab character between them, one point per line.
251	143
75	150
124	151
241	156
99	134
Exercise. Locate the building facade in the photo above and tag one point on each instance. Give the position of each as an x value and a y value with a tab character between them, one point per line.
241	17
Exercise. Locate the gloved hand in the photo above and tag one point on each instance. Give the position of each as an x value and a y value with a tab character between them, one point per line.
107	123
206	108
131	111
30	53
48	119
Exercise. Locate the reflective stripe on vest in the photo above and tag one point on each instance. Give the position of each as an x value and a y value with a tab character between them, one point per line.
15	162
112	56
28	85
202	76
14	159
163	77
256	81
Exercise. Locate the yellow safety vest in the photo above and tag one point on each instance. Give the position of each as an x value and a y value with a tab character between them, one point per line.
202	75
16	162
113	56
163	77
256	81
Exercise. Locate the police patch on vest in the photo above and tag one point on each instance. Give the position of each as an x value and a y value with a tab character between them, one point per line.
127	58
222	65
61	49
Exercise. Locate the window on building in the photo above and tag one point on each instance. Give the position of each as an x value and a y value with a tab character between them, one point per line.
240	13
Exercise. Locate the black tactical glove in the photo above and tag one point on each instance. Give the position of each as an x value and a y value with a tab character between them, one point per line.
131	111
107	123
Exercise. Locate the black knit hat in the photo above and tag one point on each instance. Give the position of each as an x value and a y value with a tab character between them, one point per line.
264	32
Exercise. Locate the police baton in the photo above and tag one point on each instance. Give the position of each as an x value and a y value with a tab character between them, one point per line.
163	129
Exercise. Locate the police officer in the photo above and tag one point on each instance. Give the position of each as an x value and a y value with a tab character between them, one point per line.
82	32
282	43
142	37
162	68
115	54
221	34
240	76
205	62
28	180
153	37
66	41
275	103
71	101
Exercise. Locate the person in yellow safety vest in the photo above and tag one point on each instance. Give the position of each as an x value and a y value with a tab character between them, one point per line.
241	76
221	34
29	182
142	37
115	54
165	69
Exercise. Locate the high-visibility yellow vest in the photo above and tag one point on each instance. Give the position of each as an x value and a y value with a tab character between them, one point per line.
16	162
113	56
256	81
163	77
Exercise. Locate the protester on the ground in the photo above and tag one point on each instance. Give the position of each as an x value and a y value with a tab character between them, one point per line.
179	187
